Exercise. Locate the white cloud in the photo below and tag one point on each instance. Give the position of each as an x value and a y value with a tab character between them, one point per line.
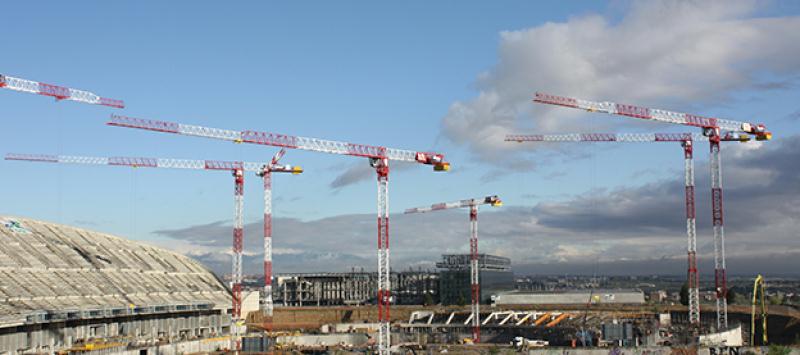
670	54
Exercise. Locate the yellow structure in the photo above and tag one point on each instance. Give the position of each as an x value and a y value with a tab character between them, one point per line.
758	285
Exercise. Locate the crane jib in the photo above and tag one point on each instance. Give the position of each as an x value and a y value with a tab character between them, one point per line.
57	92
641	112
284	141
137	162
166	163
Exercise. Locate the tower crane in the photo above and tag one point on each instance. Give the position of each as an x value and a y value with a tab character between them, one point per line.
237	169
378	157
711	127
57	92
687	142
265	173
473	248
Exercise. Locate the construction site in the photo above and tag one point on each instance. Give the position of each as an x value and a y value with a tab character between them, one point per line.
82	285
144	297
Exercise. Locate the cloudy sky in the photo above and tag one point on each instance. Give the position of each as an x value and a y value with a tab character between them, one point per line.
452	77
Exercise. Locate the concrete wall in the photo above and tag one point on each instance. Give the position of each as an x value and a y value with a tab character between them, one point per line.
311	318
600	297
51	337
658	351
353	339
185	347
250	301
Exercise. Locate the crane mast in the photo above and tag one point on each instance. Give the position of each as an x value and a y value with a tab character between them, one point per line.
237	169
384	276
692	279
378	156
717	218
475	286
57	92
687	142
266	304
714	129
237	323
474	271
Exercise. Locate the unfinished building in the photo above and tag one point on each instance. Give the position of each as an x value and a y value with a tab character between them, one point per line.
494	276
61	287
354	288
449	285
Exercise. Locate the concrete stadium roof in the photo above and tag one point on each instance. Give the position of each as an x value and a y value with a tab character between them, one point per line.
53	271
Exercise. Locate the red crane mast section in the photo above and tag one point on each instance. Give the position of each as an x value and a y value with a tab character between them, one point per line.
473	249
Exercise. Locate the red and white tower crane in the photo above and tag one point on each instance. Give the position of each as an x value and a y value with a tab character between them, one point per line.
266	174
58	92
687	142
379	158
713	128
236	168
473	249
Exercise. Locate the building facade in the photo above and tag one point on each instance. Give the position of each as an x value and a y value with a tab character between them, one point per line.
62	287
495	276
354	288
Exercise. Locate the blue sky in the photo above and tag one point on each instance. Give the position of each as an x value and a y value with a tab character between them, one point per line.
390	74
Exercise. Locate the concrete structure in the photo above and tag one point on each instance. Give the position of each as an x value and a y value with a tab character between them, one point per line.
495	276
323	340
61	286
452	326
325	289
596	296
416	287
412	287
250	301
353	288
658	296
660	350
618	334
731	337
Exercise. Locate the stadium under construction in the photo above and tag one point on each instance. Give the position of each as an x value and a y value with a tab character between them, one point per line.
65	288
